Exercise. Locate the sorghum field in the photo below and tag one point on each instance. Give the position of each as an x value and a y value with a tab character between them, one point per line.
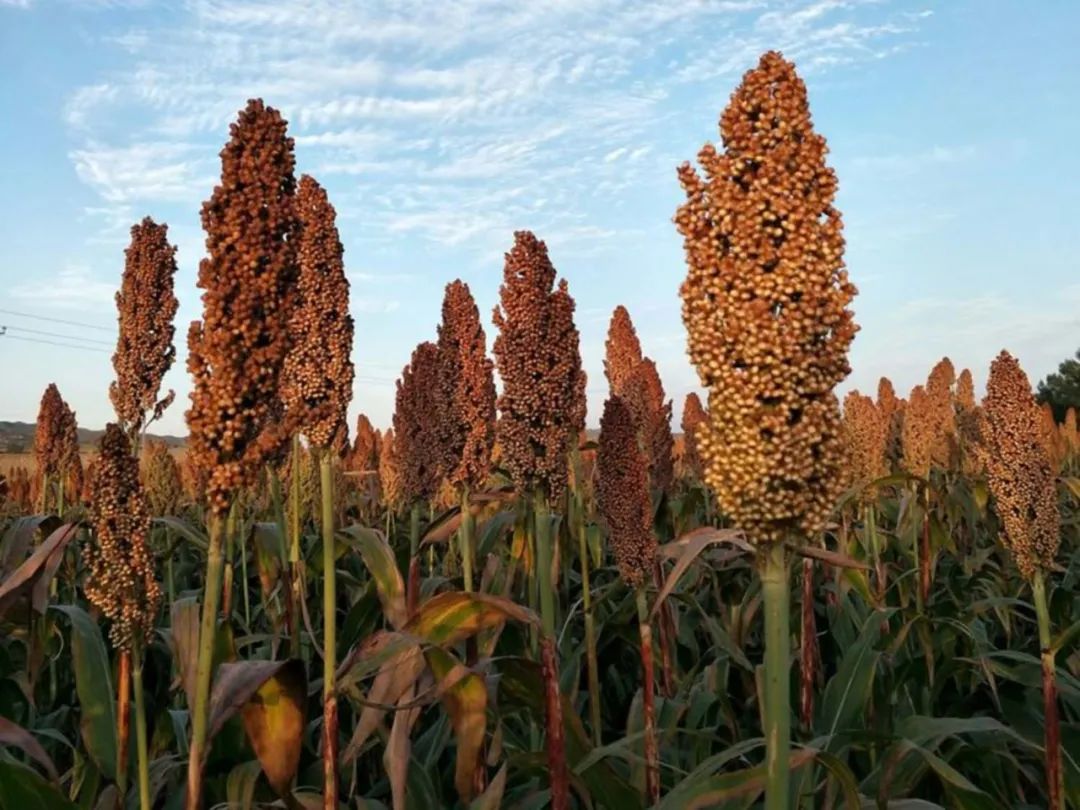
788	601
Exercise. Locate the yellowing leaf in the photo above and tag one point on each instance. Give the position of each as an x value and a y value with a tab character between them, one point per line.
274	722
454	616
464	695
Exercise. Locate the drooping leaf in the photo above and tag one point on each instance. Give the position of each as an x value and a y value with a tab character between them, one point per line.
396	676
464	695
273	720
240	787
14	735
380	561
39	567
236	683
93	683
453	616
192	534
687	549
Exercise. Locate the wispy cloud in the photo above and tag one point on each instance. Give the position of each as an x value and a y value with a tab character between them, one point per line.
73	286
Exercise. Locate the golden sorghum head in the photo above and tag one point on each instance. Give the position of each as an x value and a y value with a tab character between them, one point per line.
467	389
1018	468
418	413
622	350
765	305
365	449
866	433
390	473
308	484
542	405
939	388
74	480
1053	439
146	306
921	421
892	412
693	416
18	489
235	354
317	379
48	435
161	479
1069	432
969	443
622	493
120	580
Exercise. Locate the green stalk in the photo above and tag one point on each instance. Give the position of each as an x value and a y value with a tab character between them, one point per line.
776	589
215	561
1055	777
465	538
915	543
244	583
227	584
326	481
412	585
543	564
592	666
549	659
648	702
141	750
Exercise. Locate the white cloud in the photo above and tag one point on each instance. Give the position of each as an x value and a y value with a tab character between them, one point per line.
74	286
144	171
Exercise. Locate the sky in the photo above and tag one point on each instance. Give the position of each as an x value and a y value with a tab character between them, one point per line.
439	129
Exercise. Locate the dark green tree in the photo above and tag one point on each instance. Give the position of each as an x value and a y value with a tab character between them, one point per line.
1062	390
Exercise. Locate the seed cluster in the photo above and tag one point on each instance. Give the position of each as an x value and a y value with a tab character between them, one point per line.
972	457
693	417
1053	439
146	306
623	493
161	479
866	433
542	405
49	435
765	305
17	488
939	388
418	413
317	379
467	390
1018	468
919	432
635	379
120	580
622	350
390	480
235	354
892	413
365	449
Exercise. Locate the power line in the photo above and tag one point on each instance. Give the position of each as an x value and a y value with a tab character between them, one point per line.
54	343
79	338
57	320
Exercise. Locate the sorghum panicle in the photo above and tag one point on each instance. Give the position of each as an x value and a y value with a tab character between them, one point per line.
317	377
418	414
390	473
866	432
161	479
765	305
693	416
1018	467
542	405
146	306
467	389
623	493
120	580
365	450
235	354
622	350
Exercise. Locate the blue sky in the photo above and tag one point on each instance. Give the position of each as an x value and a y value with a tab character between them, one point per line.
440	128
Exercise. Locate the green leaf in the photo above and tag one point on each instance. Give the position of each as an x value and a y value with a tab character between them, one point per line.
23	789
380	561
181	527
240	787
847	691
93	682
16	736
453	616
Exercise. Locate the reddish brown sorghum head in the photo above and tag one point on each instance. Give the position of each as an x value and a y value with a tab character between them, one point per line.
693	416
390	473
765	305
1018	468
67	450
418	414
48	435
365	449
316	383
120	580
866	434
146	306
623	493
622	350
161	479
236	353
542	406
467	389
643	394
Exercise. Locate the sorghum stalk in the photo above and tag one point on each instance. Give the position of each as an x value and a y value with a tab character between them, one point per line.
776	587
1055	776
123	723
141	740
296	593
581	530
412	587
330	719
808	657
466	538
648	701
